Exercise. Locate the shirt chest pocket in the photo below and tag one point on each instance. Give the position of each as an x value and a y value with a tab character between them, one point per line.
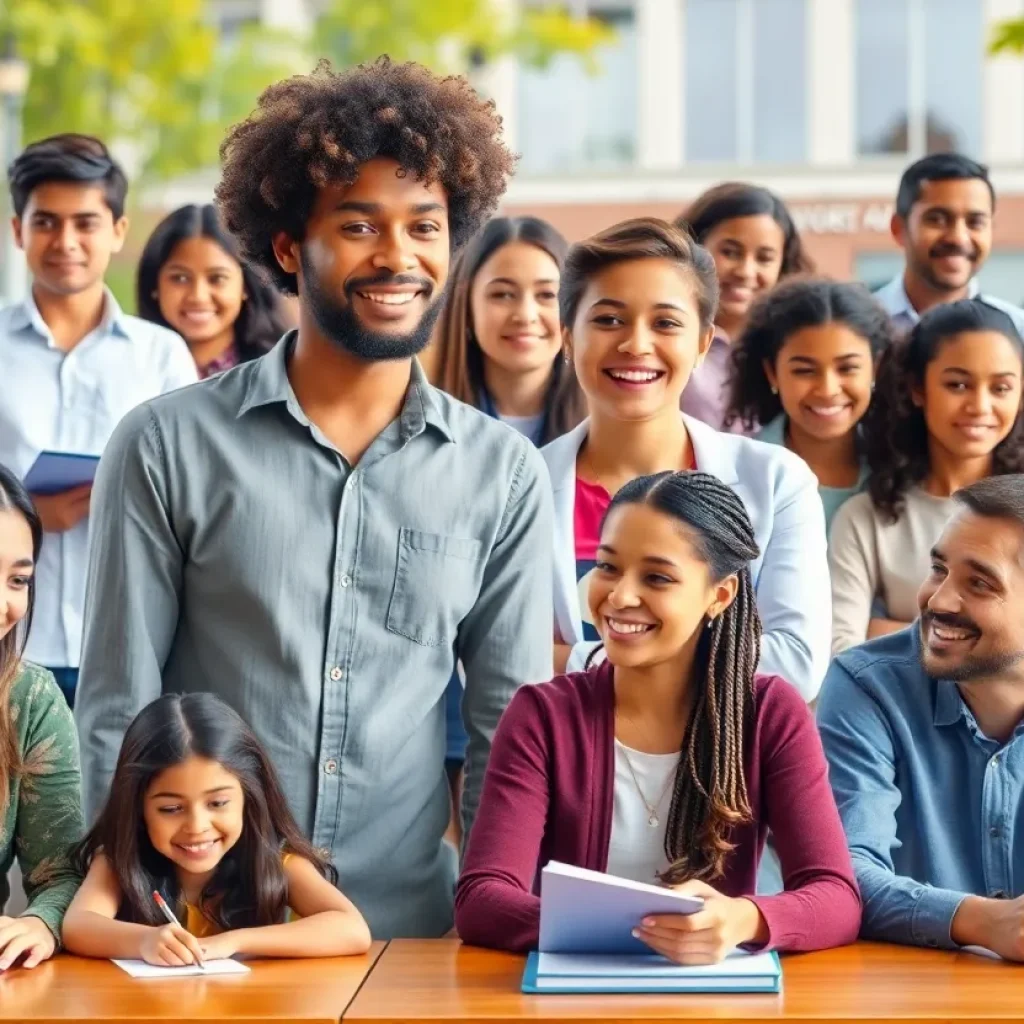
437	579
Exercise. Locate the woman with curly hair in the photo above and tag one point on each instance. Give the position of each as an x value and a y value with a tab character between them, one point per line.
805	367
752	238
319	535
947	413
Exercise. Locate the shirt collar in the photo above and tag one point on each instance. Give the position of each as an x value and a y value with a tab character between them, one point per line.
949	705
269	384
894	297
26	314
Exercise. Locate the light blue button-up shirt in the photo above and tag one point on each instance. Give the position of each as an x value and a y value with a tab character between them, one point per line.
931	805
894	300
54	400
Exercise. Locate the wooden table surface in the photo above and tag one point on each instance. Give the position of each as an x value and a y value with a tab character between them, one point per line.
68	989
444	981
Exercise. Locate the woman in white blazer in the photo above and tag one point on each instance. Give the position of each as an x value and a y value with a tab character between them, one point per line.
638	303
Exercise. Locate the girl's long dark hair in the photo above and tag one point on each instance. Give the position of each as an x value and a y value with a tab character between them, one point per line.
248	888
460	368
896	434
14	498
710	794
790	307
261	321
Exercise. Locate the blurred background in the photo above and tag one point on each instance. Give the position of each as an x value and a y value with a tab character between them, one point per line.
617	107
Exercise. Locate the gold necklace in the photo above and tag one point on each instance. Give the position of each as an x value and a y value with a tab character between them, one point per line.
652	811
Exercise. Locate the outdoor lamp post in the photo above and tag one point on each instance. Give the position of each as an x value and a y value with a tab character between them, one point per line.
14	73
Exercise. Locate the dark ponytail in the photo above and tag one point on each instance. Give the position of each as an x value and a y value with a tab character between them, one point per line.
710	794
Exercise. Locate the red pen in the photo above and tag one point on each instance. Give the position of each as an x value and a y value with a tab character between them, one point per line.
171	919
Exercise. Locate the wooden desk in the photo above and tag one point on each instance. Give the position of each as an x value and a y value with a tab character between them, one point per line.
69	989
442	981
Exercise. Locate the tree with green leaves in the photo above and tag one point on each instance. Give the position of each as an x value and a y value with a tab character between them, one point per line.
154	74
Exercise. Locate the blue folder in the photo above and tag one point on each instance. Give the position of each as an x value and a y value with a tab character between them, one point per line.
56	472
758	973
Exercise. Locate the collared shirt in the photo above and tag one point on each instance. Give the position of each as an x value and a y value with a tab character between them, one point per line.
894	300
227	360
237	551
933	808
706	395
70	402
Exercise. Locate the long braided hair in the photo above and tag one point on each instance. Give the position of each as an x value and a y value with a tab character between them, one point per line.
709	797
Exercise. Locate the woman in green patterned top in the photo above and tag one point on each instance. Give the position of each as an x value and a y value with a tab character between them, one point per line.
40	786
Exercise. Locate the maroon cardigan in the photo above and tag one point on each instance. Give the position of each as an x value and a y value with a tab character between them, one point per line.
548	795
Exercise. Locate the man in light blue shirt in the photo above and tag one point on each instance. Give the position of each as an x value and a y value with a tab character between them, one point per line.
943	222
924	733
73	363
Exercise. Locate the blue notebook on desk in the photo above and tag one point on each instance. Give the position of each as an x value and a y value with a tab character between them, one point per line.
586	942
57	472
569	974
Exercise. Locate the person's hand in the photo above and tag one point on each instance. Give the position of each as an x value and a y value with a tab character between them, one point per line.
60	512
169	945
994	924
220	947
707	936
24	936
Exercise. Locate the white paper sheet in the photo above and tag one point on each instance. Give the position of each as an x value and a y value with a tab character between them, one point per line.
140	969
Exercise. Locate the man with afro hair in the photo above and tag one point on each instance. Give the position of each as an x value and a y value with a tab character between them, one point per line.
319	535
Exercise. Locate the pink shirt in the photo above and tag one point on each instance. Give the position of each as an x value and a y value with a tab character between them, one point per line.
548	795
706	396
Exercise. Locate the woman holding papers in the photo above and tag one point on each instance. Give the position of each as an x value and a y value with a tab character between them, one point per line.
40	803
671	760
638	304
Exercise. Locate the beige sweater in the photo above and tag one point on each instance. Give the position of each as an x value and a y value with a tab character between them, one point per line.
872	559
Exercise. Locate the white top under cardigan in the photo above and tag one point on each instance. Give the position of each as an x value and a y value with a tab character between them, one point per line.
790	576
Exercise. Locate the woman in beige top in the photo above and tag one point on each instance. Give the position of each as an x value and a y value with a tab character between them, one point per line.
947	412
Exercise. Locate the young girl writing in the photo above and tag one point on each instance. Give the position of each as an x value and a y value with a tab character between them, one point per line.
946	413
638	303
804	367
192	279
755	244
196	813
682	758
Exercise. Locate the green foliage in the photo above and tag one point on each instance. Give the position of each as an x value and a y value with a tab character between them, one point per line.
1008	37
450	35
153	74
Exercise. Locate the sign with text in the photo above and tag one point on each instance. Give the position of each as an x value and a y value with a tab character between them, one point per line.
842	218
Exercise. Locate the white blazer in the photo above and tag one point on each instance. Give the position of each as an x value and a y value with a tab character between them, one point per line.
790	577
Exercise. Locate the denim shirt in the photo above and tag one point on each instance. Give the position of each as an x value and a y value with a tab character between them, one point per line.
930	804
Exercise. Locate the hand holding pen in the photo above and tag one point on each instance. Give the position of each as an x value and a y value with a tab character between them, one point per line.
171	945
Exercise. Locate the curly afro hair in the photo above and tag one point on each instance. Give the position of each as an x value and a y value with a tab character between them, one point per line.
313	130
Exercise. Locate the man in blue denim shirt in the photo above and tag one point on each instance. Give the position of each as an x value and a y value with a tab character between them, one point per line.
924	733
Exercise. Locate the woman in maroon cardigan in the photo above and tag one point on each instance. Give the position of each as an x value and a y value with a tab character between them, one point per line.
671	760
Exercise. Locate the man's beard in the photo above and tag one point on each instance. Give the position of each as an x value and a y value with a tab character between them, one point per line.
971	669
340	324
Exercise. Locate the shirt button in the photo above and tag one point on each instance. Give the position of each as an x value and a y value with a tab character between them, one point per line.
324	852
995	761
345	580
335	674
331	767
995	831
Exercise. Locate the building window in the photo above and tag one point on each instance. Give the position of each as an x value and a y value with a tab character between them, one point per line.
919	76
572	120
746	78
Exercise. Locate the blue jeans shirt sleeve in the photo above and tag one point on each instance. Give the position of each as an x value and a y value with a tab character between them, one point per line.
859	745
